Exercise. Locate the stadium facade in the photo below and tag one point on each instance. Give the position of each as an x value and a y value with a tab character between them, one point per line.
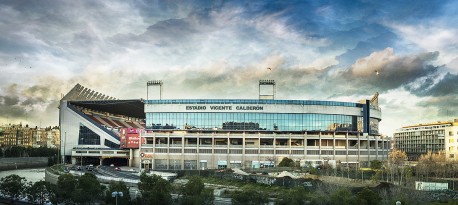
224	133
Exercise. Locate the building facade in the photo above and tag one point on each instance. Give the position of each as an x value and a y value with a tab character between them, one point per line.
416	140
19	135
212	134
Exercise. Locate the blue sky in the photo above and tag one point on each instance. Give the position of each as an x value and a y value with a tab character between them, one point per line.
321	50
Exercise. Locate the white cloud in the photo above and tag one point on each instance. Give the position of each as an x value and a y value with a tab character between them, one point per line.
431	37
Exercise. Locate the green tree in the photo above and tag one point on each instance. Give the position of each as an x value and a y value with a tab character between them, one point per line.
66	185
295	196
249	196
118	187
13	186
154	189
87	190
286	162
40	192
342	196
376	164
194	192
367	196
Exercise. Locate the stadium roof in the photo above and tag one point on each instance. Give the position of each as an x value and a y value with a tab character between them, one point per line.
130	108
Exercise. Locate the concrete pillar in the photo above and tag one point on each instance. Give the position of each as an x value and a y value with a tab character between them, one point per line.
130	157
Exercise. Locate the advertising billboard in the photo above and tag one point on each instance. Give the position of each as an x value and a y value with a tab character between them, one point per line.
130	138
430	186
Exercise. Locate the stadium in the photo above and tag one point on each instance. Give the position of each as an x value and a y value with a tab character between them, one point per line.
187	134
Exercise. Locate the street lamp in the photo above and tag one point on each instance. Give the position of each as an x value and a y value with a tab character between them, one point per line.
81	160
116	194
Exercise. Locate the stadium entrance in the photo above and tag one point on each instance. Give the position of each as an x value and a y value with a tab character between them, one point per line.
119	162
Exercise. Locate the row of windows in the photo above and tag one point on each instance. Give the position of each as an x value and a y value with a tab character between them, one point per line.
89	137
277	102
256	121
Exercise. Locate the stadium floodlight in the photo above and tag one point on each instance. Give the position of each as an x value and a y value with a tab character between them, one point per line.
267	83
154	83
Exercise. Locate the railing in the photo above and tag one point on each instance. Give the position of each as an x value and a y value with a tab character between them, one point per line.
190	145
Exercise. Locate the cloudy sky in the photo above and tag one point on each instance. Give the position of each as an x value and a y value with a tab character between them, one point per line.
320	50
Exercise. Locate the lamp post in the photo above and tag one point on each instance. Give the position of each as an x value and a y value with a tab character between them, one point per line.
81	163
81	160
116	194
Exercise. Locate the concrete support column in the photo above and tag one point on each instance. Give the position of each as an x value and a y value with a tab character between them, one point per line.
130	157
334	145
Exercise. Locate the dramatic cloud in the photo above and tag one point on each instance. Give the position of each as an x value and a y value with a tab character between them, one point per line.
345	50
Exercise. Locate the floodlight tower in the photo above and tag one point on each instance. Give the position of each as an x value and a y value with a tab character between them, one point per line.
263	83
154	83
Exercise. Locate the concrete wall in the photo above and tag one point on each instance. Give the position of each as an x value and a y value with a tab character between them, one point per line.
12	163
51	177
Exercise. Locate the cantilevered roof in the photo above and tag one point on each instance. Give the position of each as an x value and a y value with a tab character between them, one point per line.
80	93
130	108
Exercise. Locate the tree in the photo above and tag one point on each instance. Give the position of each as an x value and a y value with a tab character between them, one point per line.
194	192
249	196
396	160
367	196
287	162
154	189
117	187
342	196
40	192
294	196
87	190
376	164
432	164
66	185
12	186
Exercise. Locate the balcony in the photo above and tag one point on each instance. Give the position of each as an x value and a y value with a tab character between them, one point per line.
147	145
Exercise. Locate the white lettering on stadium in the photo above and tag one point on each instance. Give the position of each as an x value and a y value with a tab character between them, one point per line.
249	108
196	107
221	107
225	107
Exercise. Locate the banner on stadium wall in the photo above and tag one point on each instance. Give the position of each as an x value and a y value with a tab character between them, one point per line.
130	138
